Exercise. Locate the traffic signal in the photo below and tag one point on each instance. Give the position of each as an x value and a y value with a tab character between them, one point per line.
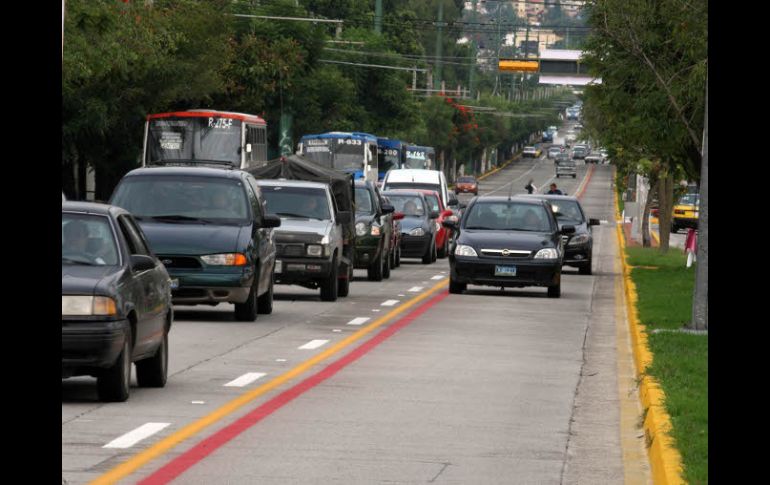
517	65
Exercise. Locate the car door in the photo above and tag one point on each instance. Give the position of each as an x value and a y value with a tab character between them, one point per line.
386	223
149	292
265	245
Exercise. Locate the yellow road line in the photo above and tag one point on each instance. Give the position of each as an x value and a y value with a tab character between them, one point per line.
158	449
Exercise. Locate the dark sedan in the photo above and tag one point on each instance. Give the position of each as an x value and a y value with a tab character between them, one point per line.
116	301
373	232
578	247
507	242
418	227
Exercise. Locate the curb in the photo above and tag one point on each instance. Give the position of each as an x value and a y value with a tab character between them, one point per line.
515	157
665	459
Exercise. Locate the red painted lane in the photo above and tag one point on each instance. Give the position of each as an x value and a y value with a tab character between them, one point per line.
180	464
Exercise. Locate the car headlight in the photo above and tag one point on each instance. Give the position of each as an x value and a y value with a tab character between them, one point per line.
417	231
87	306
463	250
226	259
375	230
361	229
547	253
579	239
314	250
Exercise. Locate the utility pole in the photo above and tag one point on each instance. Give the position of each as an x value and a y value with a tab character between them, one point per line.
473	54
439	46
700	303
378	16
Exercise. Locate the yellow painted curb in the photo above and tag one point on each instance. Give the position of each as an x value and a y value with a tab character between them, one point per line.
515	157
665	459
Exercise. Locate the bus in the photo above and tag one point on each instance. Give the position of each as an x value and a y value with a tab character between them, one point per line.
351	152
391	154
420	157
206	137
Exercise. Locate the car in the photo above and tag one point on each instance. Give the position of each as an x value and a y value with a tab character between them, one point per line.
566	167
605	155
547	137
686	212
466	184
507	242
554	151
530	152
578	247
594	157
116	301
310	241
374	232
562	157
443	235
417	179
395	260
209	228
418	227
579	152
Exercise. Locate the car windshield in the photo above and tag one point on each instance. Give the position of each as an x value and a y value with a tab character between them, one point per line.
411	185
567	210
87	240
466	180
432	202
364	201
507	216
410	205
184	198
296	202
689	199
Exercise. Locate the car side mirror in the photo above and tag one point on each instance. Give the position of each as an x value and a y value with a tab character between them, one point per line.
593	222
568	229
449	224
397	216
433	214
141	262
271	220
388	209
344	217
452	202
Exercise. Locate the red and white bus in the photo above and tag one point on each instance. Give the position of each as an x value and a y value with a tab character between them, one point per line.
205	136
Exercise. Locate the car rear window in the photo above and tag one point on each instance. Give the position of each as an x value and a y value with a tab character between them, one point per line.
507	216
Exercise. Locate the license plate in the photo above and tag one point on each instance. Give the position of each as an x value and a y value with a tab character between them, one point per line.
278	266
174	284
505	270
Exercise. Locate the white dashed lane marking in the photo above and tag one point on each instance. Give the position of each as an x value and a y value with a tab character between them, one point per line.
133	437
313	344
358	321
245	379
388	302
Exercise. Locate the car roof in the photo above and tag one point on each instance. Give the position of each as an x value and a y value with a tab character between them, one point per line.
197	171
413	175
96	208
550	197
291	183
503	198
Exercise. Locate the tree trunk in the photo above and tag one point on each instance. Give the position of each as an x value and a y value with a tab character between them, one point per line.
646	242
665	197
700	303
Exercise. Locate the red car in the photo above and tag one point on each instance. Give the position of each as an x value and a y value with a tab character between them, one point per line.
443	235
467	184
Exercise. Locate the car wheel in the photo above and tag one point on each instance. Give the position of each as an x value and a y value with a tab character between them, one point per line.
585	268
442	253
434	253
456	288
153	372
398	257
247	311
343	285
265	302
374	271
112	385
427	258
554	291
330	285
674	228
574	176
386	267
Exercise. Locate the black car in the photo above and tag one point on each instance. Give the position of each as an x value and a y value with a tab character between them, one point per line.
374	232
210	229
418	227
578	247
116	301
507	242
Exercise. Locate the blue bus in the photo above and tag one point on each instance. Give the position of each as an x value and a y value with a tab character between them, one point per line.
420	157
391	153
351	152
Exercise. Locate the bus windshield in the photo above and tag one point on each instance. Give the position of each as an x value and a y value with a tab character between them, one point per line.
349	156
193	138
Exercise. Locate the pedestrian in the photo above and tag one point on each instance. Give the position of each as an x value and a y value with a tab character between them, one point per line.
554	190
530	187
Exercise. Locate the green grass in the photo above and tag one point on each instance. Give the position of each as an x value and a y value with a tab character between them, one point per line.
680	360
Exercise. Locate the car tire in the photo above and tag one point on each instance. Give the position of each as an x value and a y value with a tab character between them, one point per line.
265	302
574	176
434	253
374	271
585	269
113	384
343	285
330	285
674	228
153	372
456	288
554	291
427	258
247	311
386	268
398	257
442	253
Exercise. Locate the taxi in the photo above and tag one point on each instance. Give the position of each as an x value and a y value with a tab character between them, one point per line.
686	212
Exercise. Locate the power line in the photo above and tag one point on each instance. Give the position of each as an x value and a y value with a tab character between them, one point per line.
329	61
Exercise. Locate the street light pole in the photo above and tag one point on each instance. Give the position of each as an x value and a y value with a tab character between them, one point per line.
700	303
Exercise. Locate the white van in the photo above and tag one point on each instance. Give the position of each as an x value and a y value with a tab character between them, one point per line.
417	179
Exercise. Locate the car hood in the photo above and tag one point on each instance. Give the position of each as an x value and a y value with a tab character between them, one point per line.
408	223
87	280
312	226
529	241
367	218
580	227
192	239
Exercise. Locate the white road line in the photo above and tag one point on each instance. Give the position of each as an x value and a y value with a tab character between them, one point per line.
133	437
197	402
415	289
438	277
313	344
376	310
336	330
245	379
280	360
359	321
389	302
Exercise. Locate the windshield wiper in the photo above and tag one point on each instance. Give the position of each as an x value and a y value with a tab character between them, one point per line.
174	217
300	216
77	261
480	227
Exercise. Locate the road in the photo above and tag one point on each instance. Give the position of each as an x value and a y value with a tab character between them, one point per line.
400	382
